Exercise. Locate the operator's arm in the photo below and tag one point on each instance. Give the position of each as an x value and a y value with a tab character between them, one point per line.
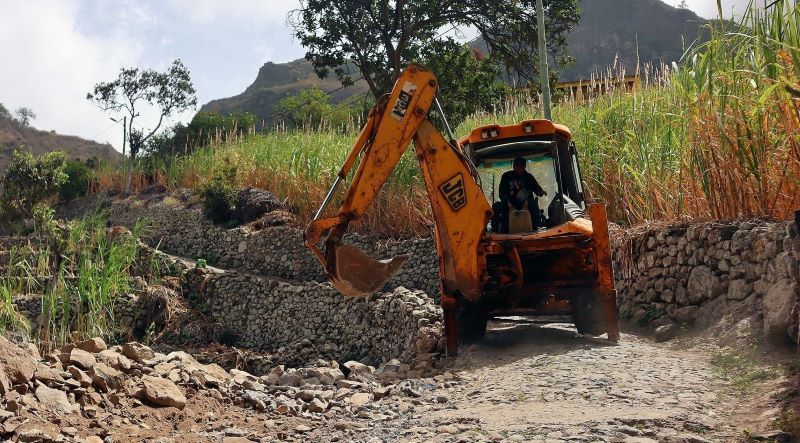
537	189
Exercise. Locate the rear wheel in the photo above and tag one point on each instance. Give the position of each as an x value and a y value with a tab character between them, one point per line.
471	320
588	313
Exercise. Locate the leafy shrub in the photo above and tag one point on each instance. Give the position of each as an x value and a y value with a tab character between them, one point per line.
79	174
219	199
28	181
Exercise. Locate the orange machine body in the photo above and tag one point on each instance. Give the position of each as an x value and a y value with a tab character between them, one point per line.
482	273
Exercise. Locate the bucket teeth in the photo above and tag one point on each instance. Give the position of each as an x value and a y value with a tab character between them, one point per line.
359	275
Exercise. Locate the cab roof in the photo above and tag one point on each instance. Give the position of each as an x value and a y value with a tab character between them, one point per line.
525	128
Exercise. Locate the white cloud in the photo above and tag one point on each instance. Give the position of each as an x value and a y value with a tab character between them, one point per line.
708	8
249	12
52	65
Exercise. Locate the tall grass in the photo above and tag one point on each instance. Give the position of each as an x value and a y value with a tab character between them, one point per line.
79	270
714	137
742	116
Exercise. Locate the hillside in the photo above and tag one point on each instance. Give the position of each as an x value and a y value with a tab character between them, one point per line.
274	82
13	136
618	27
608	29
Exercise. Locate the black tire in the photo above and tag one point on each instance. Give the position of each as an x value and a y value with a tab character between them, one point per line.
471	320
588	314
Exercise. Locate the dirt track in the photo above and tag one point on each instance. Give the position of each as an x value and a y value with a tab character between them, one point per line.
545	383
522	383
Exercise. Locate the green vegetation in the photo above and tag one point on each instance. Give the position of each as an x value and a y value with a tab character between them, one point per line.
471	82
312	109
79	175
79	269
4	114
219	197
170	92
716	137
380	38
24	116
742	370
205	128
27	182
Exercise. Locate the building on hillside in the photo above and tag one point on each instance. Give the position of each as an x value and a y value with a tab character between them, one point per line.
581	90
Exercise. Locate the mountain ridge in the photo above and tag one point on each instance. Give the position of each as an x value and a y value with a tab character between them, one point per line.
14	136
625	32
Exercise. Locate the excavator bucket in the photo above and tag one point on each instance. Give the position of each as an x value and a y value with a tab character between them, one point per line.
359	275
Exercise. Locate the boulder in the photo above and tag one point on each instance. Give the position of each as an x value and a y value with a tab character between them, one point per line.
93	345
702	285
163	392
317	405
666	332
739	289
48	376
5	383
662	321
80	376
82	359
18	365
252	203
685	315
778	305
357	368
711	312
114	359
137	352
54	400
211	375
290	379
105	378
360	398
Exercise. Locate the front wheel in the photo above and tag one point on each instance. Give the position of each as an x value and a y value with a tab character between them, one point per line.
588	314
471	321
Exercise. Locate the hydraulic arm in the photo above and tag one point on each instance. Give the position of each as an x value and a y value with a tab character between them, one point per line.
459	208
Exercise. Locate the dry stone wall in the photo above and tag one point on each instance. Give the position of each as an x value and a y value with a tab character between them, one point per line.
739	277
302	322
272	251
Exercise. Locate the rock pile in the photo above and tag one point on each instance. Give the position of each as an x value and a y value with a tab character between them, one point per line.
92	383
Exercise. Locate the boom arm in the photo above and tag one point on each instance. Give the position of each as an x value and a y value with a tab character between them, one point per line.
459	208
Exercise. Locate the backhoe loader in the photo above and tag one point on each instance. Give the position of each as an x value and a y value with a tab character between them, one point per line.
561	267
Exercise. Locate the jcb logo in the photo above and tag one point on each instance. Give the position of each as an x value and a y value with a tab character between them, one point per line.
403	101
453	191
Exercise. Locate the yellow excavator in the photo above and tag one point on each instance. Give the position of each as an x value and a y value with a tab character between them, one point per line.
548	257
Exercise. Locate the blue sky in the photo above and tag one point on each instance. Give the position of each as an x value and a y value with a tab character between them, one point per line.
59	49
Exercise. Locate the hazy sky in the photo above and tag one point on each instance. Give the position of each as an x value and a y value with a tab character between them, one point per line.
54	51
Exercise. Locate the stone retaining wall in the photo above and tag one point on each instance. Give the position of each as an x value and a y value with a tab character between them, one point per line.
743	274
271	251
275	317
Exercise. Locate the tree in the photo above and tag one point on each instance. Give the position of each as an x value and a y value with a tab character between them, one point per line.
205	127
306	108
30	180
79	175
24	116
4	114
469	81
170	91
379	37
312	108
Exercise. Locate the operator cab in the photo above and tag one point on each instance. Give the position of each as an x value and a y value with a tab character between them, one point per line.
551	158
